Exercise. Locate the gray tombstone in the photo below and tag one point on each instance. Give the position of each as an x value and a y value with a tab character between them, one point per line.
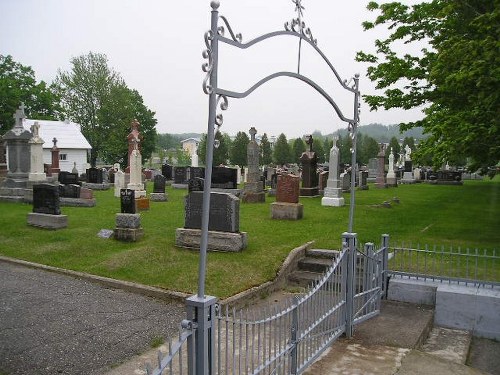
18	148
159	182
46	199
224	212
180	175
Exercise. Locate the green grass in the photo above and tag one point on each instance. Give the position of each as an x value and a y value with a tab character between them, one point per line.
464	216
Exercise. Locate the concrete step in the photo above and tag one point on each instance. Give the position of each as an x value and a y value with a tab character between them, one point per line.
322	253
450	344
13	198
318	265
303	278
417	362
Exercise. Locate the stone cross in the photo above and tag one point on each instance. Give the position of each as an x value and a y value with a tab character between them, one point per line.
135	125
19	115
309	141
55	142
252	132
35	129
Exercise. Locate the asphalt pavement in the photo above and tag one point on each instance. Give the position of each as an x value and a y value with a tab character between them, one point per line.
56	324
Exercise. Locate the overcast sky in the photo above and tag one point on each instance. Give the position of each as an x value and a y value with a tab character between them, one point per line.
156	46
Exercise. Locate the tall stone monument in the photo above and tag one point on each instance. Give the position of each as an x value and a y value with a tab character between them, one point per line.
332	195
380	181
253	191
136	174
408	171
54	167
18	151
3	160
391	176
134	140
36	147
309	162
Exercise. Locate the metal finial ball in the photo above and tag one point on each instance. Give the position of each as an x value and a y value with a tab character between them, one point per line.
356	75
215	4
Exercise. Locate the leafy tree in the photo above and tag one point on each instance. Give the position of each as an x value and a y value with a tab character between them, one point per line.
327	146
221	149
345	144
298	147
18	84
96	97
394	144
367	148
318	149
266	152
238	150
456	78
167	141
282	152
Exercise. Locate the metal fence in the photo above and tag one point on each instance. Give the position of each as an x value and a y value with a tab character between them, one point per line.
470	267
289	339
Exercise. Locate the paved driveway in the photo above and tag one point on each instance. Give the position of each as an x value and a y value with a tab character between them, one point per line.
56	324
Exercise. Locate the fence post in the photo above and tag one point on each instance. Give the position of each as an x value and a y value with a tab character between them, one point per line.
293	338
368	273
201	352
349	242
385	265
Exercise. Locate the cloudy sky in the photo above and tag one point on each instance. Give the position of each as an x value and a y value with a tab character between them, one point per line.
156	45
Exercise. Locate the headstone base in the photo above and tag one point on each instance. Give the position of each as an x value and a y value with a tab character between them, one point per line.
334	202
158	197
392	181
128	221
135	187
408	178
381	184
217	241
37	177
271	192
179	186
47	221
287	211
77	202
309	192
253	197
142	203
103	186
128	234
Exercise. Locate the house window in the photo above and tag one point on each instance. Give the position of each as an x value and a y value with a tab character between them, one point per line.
63	156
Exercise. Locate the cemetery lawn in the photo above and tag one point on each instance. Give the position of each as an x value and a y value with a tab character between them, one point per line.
466	216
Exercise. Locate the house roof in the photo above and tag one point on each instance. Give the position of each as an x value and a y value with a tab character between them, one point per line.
68	134
197	140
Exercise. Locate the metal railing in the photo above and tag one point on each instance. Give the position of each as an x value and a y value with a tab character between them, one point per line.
470	267
282	340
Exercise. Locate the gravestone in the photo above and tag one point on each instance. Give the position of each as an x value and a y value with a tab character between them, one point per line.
134	140
67	178
391	176
36	149
196	172
127	201
180	175
345	180
69	191
18	151
94	176
128	222
380	180
224	223
54	151
158	194
224	178
332	195
3	160
119	180
136	174
166	170
46	209
196	184
309	162
287	204
363	180
253	191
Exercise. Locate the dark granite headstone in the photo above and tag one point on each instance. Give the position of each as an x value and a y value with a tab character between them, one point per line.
196	172
224	178
127	201
196	184
408	166
180	175
67	178
69	191
159	184
46	199
166	170
94	176
224	212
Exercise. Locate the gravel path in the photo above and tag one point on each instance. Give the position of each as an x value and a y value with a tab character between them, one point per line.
56	324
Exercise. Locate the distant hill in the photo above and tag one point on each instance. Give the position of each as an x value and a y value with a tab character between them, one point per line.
383	133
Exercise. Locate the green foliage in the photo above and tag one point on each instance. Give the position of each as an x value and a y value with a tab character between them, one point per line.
319	150
266	153
168	141
394	145
457	78
222	142
18	84
298	147
327	145
96	97
366	148
282	153
345	144
238	149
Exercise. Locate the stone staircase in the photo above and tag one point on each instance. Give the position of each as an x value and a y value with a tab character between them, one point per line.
311	267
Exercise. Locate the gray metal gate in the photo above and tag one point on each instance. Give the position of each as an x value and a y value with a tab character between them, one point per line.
287	341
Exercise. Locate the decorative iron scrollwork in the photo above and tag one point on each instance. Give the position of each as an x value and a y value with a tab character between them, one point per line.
299	27
209	64
236	37
223	103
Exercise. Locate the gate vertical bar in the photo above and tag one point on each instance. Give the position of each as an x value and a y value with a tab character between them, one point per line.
293	338
349	239
385	264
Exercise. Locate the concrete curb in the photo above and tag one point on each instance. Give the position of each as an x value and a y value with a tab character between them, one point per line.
238	300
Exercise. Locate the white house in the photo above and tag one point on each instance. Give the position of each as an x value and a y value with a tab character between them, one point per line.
190	145
73	146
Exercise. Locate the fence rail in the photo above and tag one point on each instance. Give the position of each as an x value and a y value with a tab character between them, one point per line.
453	265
